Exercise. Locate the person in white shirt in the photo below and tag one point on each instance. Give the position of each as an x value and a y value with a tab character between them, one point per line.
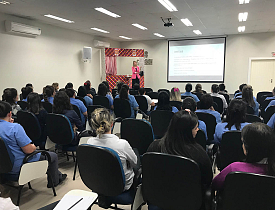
214	92
102	122
150	103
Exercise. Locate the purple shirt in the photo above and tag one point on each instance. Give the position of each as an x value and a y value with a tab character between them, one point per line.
255	168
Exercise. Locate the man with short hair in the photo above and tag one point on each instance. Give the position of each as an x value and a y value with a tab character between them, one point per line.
150	103
188	89
214	92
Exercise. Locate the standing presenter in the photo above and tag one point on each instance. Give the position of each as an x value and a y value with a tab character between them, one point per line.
135	74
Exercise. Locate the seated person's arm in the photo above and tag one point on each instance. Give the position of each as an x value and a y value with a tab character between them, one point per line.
112	107
29	148
152	104
85	113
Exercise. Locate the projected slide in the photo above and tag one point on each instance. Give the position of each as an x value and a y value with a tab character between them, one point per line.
200	60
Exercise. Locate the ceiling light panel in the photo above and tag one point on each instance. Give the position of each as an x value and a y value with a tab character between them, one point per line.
4	2
243	16
244	1
197	32
124	37
186	22
159	35
107	12
100	30
241	29
139	26
59	18
168	5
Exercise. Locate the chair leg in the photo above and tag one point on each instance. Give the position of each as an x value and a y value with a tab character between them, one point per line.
19	194
51	180
75	166
30	187
73	156
67	156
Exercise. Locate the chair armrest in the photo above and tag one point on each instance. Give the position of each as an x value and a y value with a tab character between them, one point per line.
28	156
143	114
118	119
86	133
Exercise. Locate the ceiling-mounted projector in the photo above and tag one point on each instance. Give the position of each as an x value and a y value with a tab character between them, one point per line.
168	23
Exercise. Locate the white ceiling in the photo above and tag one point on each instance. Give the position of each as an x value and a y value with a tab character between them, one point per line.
211	17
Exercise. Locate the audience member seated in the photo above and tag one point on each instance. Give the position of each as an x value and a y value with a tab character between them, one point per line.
124	94
164	103
238	93
55	86
62	105
199	91
82	108
206	106
102	122
90	91
10	96
258	146
271	121
136	87
235	119
29	85
103	91
188	89
108	88
35	106
190	103
25	92
180	140
150	103
222	89
48	94
82	93
175	94
69	85
247	96
214	92
273	97
19	144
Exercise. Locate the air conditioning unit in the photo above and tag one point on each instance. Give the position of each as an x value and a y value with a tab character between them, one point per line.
18	28
100	44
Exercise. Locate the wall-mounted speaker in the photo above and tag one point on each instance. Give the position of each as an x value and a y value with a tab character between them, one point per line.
87	54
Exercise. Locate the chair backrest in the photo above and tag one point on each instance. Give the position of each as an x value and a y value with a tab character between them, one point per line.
142	103
226	96
76	109
30	124
59	129
153	95
210	122
148	90
250	110
184	97
138	133
103	172
23	104
160	121
171	182
133	92
231	149
122	108
250	118
92	108
6	158
263	97
101	100
219	102
265	104
260	94
48	107
176	104
81	99
248	191
269	112
201	139
165	90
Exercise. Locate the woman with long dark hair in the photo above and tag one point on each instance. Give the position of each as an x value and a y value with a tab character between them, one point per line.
247	96
259	148
235	119
164	103
89	90
103	91
10	96
108	88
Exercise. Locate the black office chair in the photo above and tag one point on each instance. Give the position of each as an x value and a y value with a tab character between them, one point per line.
31	125
264	104
172	182
248	191
252	118
176	104
219	102
139	134
250	110
48	107
269	112
76	109
103	174
102	101
142	103
153	95
260	94
122	108
6	165
263	97
133	92
114	92
148	90
23	104
165	90
201	139
230	149
210	122
81	99
226	96
160	121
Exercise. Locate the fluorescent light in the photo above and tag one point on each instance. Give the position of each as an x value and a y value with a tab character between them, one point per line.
124	37
243	16
186	22
168	5
197	32
107	12
59	18
241	28
159	35
139	26
100	30
244	1
4	2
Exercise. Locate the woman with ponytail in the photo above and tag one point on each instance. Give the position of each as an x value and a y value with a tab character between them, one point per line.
259	149
235	119
102	122
48	94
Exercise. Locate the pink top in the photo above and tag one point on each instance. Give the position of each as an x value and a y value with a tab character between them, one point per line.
135	71
255	168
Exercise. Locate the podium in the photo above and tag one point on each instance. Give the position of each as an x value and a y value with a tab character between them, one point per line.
126	79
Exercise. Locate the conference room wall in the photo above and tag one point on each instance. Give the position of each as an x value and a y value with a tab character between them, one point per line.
55	56
239	48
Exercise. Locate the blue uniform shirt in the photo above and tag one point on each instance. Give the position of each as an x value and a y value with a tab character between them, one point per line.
270	98
174	109
50	99
202	127
15	137
25	99
272	103
192	95
88	100
81	106
111	101
215	113
271	121
133	104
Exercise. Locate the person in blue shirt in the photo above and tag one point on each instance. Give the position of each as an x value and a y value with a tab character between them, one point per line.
102	91
82	93
271	121
82	108
164	102
238	94
25	92
124	94
247	96
235	119
191	104
48	94
206	106
273	97
19	145
272	103
188	89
